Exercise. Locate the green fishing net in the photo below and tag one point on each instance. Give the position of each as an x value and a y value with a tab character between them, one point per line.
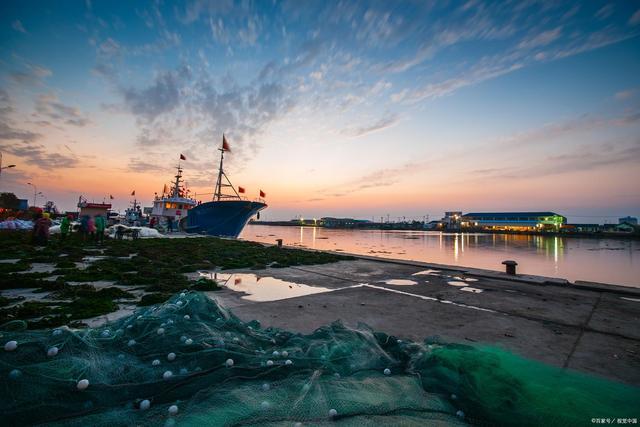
191	362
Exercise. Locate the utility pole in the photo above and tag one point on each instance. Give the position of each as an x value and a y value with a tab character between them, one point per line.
36	193
5	167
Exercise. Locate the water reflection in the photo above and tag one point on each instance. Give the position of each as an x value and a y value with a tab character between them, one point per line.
261	288
600	260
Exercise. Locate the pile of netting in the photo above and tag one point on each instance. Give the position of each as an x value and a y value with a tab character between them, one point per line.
191	362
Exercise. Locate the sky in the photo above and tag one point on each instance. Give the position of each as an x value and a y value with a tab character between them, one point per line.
332	108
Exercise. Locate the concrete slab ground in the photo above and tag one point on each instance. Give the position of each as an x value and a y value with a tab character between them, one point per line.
589	329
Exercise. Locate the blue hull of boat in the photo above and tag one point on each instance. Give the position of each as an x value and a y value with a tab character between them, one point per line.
222	218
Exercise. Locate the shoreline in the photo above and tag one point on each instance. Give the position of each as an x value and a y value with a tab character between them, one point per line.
489	273
598	235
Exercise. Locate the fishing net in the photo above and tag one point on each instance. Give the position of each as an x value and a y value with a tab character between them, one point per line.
191	362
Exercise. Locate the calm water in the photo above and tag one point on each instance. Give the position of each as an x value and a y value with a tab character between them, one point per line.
598	260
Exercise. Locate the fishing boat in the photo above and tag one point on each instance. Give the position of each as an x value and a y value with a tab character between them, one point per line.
172	208
228	212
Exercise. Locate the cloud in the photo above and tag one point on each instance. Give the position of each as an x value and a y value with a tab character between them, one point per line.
49	106
141	166
379	125
31	75
635	18
605	11
38	155
161	97
542	39
377	179
17	25
24	143
7	131
582	158
109	47
625	94
580	124
481	72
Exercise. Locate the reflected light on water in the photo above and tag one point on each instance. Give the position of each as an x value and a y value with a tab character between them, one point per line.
573	258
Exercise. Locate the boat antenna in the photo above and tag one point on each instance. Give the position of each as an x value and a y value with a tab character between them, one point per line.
218	194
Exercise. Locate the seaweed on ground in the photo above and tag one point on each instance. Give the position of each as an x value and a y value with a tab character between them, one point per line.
157	266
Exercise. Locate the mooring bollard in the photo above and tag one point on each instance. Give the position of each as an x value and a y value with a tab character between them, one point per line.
279	242
511	266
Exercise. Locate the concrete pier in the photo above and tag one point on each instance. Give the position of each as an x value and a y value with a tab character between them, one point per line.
591	328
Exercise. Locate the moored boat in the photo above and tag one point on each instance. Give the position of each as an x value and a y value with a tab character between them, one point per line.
228	212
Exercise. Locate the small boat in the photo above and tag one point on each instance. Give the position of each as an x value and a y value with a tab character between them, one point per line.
228	212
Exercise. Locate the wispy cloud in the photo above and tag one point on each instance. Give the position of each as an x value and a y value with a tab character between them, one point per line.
31	75
625	94
377	126
582	158
17	25
49	106
541	39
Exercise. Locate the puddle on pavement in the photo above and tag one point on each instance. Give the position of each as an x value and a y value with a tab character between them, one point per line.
470	289
427	272
456	283
9	261
466	279
261	288
400	282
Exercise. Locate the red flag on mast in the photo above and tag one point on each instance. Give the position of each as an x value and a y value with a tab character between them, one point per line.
240	189
225	144
262	194
110	197
133	193
182	157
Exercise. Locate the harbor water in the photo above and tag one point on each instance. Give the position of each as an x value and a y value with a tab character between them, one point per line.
574	258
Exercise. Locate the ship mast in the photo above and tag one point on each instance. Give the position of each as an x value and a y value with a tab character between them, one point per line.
176	186
218	195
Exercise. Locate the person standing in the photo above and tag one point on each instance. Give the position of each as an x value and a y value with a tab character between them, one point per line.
91	228
41	229
65	225
170	224
100	227
84	227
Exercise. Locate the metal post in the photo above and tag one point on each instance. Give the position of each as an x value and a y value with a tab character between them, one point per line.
35	191
510	267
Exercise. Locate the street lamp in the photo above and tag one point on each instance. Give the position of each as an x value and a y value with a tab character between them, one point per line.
4	167
36	193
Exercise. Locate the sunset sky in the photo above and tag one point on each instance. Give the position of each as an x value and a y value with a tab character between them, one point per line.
333	108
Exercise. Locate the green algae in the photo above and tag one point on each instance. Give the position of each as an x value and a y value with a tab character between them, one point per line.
157	266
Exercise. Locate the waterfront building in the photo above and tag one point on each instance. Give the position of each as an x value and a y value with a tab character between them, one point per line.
330	222
581	228
516	221
628	220
452	220
92	209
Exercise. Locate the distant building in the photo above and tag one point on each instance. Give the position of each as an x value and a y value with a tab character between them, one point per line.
581	228
628	220
623	228
452	220
330	222
93	209
517	221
